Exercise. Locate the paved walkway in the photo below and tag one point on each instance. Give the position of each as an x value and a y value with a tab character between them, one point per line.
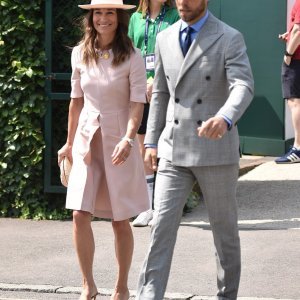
37	259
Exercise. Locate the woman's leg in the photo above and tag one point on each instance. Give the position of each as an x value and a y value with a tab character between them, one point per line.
124	251
85	248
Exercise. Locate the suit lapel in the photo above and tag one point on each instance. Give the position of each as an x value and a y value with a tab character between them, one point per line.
174	44
208	35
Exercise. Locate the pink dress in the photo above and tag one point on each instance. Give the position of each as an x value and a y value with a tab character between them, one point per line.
95	184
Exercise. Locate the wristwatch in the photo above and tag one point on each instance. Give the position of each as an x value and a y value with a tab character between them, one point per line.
288	54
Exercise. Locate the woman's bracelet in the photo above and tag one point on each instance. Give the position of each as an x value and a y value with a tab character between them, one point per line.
130	141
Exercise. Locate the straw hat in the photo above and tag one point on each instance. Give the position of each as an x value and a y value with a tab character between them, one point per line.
107	4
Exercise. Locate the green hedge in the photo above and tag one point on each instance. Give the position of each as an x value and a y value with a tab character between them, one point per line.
22	107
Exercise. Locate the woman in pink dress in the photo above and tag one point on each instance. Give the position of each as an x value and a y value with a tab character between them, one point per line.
107	99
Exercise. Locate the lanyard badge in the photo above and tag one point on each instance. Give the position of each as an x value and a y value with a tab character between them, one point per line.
149	62
150	57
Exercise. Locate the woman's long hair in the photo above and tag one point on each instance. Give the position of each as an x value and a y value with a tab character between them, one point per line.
144	6
121	46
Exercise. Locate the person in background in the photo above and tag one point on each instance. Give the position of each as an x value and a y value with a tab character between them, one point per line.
151	17
202	86
107	179
290	77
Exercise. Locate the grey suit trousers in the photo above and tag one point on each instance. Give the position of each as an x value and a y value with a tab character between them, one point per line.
173	185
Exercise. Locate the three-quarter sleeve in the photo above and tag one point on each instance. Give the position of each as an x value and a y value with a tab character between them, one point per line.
76	90
137	77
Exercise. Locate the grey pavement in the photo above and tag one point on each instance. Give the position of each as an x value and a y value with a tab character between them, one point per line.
38	261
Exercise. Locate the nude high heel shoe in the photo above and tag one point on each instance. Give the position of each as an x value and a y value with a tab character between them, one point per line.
94	296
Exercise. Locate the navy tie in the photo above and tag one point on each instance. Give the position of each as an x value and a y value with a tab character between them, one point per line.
187	41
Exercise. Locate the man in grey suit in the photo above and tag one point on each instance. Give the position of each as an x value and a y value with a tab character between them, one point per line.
199	94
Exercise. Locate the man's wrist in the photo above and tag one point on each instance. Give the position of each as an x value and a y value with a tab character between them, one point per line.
153	146
227	120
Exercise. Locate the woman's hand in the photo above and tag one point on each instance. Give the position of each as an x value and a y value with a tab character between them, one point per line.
121	153
123	148
65	150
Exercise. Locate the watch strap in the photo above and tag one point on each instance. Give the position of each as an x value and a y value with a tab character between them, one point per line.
288	54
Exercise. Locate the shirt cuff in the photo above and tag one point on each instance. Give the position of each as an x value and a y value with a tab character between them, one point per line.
228	121
150	146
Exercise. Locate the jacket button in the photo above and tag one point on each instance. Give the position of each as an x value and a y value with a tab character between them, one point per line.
207	77
199	101
176	122
176	100
199	122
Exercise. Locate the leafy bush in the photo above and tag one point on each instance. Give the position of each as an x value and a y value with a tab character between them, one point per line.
22	107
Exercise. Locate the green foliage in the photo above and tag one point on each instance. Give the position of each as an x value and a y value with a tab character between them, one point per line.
22	107
193	199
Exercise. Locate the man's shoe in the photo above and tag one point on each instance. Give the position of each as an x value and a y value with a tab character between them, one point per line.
143	219
292	156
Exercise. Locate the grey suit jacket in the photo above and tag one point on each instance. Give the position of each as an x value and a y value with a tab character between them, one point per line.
214	78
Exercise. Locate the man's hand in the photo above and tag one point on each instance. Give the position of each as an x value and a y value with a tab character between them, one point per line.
214	128
151	158
287	60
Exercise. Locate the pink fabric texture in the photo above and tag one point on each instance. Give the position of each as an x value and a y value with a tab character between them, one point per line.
95	184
